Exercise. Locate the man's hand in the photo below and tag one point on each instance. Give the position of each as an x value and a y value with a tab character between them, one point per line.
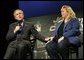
16	29
49	39
60	39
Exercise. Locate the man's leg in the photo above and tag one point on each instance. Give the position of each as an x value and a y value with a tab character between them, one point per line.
10	52
23	48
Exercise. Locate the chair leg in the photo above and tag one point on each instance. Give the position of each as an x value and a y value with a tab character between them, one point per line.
77	54
70	54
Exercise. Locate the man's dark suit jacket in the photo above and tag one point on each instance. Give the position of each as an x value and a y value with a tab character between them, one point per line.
27	30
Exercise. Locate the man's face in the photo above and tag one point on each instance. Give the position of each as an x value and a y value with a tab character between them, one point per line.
19	15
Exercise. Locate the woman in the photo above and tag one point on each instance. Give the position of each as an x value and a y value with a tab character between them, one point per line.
66	34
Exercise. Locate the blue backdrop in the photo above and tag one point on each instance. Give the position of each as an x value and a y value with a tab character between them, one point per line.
39	8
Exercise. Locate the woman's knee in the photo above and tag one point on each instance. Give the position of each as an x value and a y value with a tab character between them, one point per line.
63	43
49	46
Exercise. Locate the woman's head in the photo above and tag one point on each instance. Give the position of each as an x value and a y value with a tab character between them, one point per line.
67	12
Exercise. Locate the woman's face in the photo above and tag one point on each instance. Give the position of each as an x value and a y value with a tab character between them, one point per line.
64	13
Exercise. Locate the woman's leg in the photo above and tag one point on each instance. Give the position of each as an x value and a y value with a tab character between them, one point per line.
64	49
52	49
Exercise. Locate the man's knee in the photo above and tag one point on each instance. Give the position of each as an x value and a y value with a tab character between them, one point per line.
26	43
24	47
21	46
12	44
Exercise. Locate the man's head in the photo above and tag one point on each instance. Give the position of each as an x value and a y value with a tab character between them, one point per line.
18	14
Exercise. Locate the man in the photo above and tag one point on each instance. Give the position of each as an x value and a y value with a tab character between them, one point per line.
19	33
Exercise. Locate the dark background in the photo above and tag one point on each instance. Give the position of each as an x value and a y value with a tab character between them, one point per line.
6	17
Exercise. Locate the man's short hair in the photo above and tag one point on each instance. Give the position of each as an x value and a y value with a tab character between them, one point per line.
17	10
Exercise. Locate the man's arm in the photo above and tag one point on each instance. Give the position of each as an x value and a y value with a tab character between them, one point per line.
10	35
36	34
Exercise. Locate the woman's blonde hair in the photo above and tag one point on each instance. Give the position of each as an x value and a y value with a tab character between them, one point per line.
70	11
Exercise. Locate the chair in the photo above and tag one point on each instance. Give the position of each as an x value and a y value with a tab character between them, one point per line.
33	41
73	50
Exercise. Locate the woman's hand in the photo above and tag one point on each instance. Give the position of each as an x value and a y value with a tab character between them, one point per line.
60	39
